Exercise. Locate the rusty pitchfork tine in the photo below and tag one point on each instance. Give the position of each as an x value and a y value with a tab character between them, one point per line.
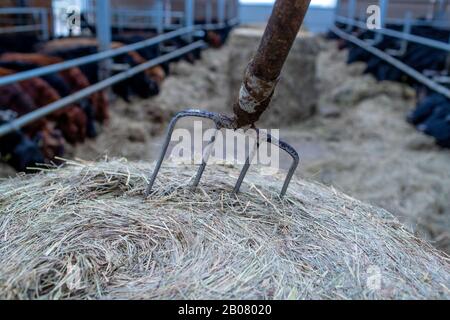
204	161
283	146
220	121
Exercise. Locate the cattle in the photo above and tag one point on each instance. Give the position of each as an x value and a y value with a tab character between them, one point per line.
57	82
75	122
156	73
142	84
432	112
51	142
73	78
10	42
54	80
438	125
18	150
72	48
71	120
425	108
22	150
13	97
432	117
417	56
147	53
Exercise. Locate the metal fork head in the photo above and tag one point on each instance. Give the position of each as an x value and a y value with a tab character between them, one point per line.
221	122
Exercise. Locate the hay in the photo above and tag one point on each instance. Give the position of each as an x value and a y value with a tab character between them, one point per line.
296	95
84	231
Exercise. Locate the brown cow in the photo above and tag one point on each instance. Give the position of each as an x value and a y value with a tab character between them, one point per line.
71	120
72	76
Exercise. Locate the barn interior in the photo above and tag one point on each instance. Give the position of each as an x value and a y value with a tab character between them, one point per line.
364	98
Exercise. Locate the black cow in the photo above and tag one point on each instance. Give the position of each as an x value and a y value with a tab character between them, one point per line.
139	84
438	124
17	149
13	43
425	108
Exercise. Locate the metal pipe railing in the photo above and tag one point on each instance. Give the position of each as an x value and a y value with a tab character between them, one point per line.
57	105
106	54
93	58
397	34
36	13
20	29
189	15
393	61
104	36
20	10
221	11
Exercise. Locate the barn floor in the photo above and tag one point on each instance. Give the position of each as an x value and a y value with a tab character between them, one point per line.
358	140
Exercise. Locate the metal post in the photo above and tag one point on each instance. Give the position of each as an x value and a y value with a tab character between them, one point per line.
103	24
407	26
229	10
438	9
238	10
383	15
167	13
351	13
448	60
189	16
384	4
120	22
159	16
221	12
337	9
208	13
44	23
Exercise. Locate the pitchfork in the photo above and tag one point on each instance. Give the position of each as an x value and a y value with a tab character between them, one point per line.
260	79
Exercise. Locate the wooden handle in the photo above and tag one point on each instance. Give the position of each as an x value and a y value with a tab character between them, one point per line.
263	72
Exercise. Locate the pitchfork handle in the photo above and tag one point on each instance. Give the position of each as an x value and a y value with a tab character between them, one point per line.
264	70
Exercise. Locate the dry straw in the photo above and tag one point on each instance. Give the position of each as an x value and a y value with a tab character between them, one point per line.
85	231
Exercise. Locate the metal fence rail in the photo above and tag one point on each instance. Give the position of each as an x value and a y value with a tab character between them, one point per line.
395	62
161	18
103	24
40	14
46	110
405	35
97	57
396	34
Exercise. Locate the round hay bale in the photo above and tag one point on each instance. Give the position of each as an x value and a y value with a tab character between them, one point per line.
85	231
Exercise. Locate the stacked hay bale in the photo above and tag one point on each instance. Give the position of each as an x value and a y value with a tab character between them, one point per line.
85	231
296	95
